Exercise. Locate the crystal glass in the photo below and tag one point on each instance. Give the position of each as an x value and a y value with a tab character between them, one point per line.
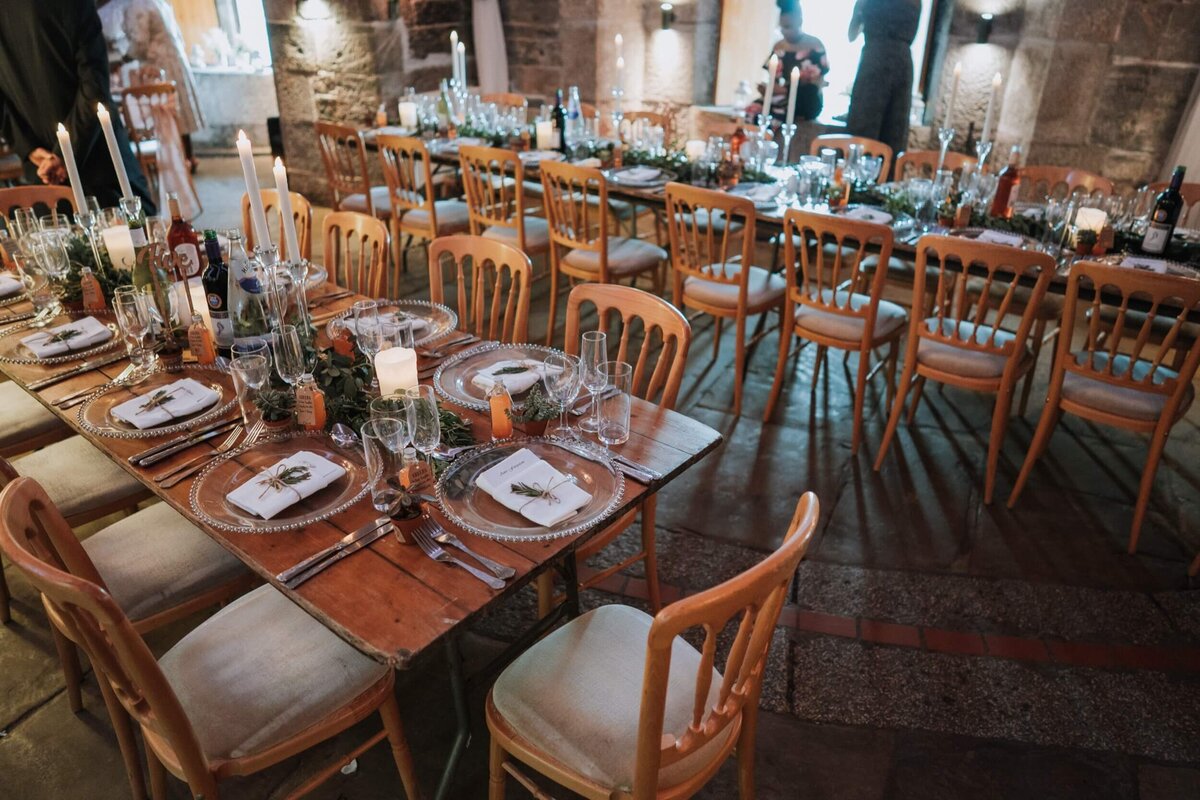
396	332
136	323
253	347
424	419
156	229
614	407
24	222
563	378
393	405
383	441
593	352
290	359
250	374
368	334
37	285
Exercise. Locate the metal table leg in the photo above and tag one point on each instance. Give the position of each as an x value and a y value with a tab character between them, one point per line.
462	736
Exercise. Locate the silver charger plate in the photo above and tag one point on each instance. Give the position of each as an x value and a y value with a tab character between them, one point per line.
453	378
95	415
13	352
442	320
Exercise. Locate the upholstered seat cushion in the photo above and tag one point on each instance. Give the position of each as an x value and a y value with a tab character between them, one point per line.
625	256
576	695
763	289
261	671
22	417
1122	400
156	559
961	360
78	477
379	198
537	234
452	217
889	318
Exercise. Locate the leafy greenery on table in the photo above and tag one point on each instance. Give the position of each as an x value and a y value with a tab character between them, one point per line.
535	408
80	254
492	137
686	171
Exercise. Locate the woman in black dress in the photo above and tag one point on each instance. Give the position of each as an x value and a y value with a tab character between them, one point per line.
796	49
882	96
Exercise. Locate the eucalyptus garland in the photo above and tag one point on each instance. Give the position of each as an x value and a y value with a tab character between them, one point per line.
686	171
80	255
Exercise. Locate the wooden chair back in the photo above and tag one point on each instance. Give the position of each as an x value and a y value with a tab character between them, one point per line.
1040	181
1165	298
302	216
42	199
576	203
956	316
661	356
356	251
408	173
135	108
718	253
841	142
494	183
754	598
39	543
923	163
344	157
507	99
493	292
831	250
1190	217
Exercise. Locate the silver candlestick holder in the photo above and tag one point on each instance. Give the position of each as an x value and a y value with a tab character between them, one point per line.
983	150
787	130
945	137
618	115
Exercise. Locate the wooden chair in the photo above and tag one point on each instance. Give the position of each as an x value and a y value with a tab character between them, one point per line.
42	199
139	122
507	99
923	163
302	216
572	708
958	345
416	213
1038	182
836	304
713	265
841	142
356	251
213	706
494	180
1133	389
497	269
577	209
344	157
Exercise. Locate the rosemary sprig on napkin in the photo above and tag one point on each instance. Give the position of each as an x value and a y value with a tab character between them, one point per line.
285	479
161	397
515	369
534	491
63	336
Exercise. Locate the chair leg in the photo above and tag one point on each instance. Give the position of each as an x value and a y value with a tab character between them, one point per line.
68	657
860	391
1039	333
545	594
821	351
5	598
158	776
1041	438
553	307
746	747
893	358
918	392
123	727
390	712
739	366
1157	442
717	337
496	777
785	344
654	594
999	427
897	410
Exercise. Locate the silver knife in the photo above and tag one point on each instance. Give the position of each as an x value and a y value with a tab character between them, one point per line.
86	366
158	448
348	539
195	439
378	533
626	468
11	318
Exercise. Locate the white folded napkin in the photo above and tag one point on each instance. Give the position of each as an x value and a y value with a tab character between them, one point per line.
88	332
419	324
515	382
179	400
641	174
759	193
1152	264
593	163
868	214
515	480
296	477
10	286
999	237
536	156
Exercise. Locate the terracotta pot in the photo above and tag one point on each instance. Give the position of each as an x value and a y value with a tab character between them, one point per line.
277	425
535	428
405	527
73	305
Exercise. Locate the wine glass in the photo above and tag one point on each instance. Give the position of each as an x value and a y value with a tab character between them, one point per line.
562	378
250	374
368	334
37	285
593	352
383	441
132	310
252	347
424	420
614	408
289	355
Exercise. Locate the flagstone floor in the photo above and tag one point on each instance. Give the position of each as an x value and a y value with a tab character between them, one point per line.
934	646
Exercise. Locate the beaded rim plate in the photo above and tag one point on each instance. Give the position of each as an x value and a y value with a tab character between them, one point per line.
13	299
617	176
209	489
13	352
474	510
1171	267
442	321
95	415
316	278
453	378
900	221
1027	242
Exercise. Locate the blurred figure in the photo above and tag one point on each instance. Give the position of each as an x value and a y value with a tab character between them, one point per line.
796	49
882	96
54	68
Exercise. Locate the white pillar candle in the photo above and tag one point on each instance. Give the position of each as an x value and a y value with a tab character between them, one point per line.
949	114
462	65
769	89
64	143
545	135
621	73
408	115
791	115
285	211
258	218
119	243
986	136
396	370
454	57
113	150
619	41
694	149
1090	219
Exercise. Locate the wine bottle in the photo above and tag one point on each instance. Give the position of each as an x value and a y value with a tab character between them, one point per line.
559	116
247	295
1165	215
216	293
574	116
1006	186
444	107
183	241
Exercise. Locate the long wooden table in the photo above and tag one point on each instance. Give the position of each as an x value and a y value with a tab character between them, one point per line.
391	601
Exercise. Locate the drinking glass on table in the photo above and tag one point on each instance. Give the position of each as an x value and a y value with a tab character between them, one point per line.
250	374
37	285
290	357
24	222
383	441
562	378
593	352
253	347
424	420
368	334
132	310
614	408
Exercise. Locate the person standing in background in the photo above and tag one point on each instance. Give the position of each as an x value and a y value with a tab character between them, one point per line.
881	99
54	68
796	49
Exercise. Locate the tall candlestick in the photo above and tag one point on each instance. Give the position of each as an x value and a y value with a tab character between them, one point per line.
986	136
791	115
285	210
949	117
620	73
462	64
258	218
64	142
619	41
769	89
454	57
113	150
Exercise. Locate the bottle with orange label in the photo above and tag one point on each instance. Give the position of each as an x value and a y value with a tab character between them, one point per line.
500	404
93	294
310	404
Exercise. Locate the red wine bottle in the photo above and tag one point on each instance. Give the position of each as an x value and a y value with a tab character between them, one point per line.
1165	215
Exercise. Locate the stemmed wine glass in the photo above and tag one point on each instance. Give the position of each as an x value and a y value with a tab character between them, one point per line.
132	310
593	352
368	333
289	356
424	421
250	374
562	378
253	347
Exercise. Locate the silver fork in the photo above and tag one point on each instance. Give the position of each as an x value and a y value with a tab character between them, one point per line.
424	539
443	536
223	447
251	437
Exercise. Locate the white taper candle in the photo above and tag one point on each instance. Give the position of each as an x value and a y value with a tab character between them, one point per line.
285	211
258	218
64	142
113	150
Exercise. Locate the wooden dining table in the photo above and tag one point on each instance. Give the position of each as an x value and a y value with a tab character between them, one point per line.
391	601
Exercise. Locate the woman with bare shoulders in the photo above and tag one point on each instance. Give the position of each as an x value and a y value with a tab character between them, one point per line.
797	49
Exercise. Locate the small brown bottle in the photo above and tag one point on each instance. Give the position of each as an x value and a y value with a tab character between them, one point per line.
1006	187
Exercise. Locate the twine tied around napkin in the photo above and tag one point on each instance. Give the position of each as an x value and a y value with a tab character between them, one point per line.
285	479
535	492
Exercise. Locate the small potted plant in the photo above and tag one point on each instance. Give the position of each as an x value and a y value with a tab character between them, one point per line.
946	214
535	412
1085	242
277	407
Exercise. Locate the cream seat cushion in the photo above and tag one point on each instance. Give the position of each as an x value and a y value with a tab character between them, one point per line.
22	417
889	318
452	217
379	198
537	234
1122	400
77	476
763	289
625	256
156	559
960	360
260	671
577	695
